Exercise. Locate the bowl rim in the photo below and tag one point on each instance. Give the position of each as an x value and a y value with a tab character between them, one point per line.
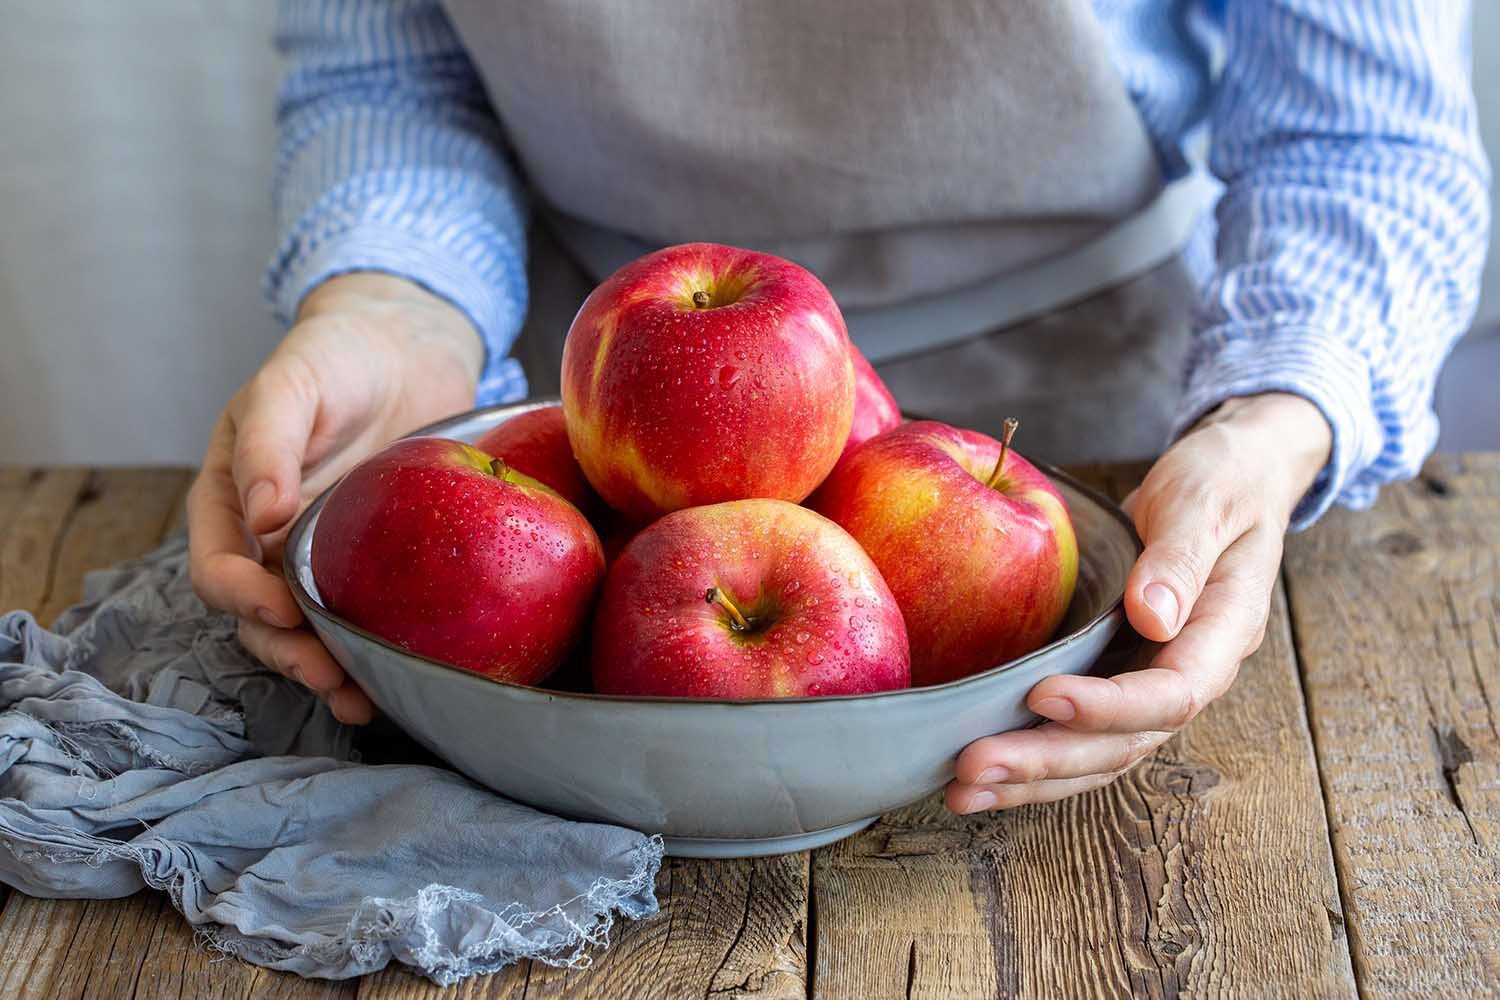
1116	610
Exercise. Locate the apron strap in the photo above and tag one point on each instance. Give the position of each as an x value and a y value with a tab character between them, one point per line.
1130	248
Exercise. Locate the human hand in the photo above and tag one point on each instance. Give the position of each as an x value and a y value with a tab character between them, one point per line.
1212	513
371	357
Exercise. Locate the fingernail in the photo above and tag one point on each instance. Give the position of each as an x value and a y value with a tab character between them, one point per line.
1060	709
1161	600
259	497
265	615
993	776
982	801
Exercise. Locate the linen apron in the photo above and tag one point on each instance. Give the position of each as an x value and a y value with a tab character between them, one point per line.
970	180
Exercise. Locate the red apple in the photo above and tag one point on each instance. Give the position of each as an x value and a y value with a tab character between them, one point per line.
702	373
875	409
536	443
975	542
444	551
747	599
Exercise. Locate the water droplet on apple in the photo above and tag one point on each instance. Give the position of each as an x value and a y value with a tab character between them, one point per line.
739	355
814	658
859	602
793	587
728	376
760	381
803	637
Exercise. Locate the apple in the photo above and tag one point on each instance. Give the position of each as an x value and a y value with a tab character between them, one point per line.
974	541
747	599
875	409
536	443
446	552
703	373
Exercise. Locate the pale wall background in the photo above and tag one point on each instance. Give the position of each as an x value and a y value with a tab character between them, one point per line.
135	145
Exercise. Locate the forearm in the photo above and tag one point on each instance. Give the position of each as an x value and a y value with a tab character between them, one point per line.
391	161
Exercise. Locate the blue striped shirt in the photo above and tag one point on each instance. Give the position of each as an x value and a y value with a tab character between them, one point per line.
1341	264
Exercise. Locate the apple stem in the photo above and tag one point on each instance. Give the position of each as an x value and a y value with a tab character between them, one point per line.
1008	431
499	468
738	621
701	299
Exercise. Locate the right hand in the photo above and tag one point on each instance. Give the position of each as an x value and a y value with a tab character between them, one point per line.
371	357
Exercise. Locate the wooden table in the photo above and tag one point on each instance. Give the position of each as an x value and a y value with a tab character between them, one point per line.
1331	827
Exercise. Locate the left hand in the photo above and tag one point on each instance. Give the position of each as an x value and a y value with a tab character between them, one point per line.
1212	514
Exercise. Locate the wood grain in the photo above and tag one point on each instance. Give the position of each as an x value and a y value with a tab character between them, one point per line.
120	513
139	947
727	929
60	523
41	506
1206	871
1397	616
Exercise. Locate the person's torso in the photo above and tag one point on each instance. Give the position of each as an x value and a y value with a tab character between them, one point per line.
897	148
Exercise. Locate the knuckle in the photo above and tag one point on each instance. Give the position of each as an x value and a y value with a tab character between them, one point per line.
1224	517
1184	706
1010	796
1186	565
1131	753
1256	638
200	578
195	579
1030	771
1211	508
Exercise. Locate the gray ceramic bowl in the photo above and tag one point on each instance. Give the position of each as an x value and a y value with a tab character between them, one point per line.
722	778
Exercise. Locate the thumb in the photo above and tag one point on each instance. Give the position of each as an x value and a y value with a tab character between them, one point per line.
272	425
1184	534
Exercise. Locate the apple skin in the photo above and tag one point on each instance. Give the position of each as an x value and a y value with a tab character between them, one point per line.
672	402
875	409
424	545
823	621
536	443
983	575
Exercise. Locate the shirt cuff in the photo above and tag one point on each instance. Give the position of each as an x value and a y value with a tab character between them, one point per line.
496	308
1309	362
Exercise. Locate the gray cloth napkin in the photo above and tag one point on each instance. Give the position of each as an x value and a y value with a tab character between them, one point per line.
141	746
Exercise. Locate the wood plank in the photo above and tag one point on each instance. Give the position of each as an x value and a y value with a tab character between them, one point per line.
121	514
726	928
15	483
1397	617
174	963
29	548
1204	871
134	947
